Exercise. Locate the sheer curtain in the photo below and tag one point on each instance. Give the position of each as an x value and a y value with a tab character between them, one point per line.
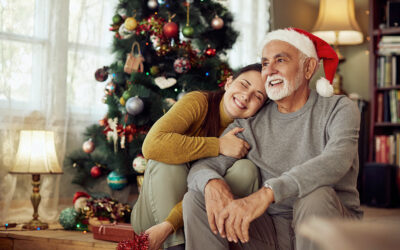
251	19
49	52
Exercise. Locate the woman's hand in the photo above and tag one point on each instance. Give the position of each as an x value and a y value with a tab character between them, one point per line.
231	145
158	234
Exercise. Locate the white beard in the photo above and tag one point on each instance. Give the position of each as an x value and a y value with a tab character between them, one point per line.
284	89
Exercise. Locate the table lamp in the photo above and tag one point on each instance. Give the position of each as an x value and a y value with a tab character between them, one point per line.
337	25
36	155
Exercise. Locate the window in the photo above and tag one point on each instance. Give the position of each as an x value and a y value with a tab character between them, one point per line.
52	49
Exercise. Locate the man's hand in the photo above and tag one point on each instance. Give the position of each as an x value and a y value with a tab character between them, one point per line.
217	196
232	146
237	216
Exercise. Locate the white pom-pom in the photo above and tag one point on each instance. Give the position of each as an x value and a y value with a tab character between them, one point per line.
324	88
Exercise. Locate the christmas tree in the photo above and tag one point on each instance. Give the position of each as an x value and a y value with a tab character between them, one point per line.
163	49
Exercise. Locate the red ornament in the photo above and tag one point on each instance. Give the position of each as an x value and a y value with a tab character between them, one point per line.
170	30
210	52
88	146
139	242
95	171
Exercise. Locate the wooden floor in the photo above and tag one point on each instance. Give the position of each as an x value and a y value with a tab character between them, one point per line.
55	238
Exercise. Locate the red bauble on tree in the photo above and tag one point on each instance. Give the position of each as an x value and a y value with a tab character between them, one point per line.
210	52
95	171
171	29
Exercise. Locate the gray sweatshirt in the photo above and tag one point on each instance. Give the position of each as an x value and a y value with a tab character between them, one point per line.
297	152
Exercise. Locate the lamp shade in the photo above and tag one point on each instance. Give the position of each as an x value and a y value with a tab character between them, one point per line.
36	153
336	23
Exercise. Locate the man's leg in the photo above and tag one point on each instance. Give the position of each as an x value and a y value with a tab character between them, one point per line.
163	187
322	202
198	234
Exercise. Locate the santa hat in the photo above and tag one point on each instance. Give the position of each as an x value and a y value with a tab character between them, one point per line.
79	195
311	46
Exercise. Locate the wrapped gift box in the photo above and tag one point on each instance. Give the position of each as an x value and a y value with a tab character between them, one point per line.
113	232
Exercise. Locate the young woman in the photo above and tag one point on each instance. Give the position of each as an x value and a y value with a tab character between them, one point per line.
190	131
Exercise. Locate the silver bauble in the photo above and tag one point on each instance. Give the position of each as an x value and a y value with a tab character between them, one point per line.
134	105
217	23
152	4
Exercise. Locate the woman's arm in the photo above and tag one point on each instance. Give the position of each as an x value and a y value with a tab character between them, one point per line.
170	140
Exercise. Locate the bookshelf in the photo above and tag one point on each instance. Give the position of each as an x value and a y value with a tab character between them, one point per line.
384	65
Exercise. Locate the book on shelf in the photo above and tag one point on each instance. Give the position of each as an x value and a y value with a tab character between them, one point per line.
387	148
388	71
379	107
388	106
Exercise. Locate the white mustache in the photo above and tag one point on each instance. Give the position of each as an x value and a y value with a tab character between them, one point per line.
274	77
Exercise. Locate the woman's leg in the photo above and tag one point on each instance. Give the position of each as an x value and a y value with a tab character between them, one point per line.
243	178
163	187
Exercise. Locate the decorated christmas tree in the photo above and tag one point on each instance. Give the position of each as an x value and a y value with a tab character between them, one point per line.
163	49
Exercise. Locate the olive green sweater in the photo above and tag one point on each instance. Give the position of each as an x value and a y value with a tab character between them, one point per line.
177	137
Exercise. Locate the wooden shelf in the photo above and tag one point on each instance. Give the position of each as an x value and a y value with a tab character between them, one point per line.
387	124
387	88
387	31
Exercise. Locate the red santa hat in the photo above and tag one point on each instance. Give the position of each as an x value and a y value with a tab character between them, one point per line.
311	46
79	195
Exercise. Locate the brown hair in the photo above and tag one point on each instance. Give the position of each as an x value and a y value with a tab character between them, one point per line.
211	122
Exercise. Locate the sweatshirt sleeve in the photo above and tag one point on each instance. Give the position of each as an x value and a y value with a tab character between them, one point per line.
167	140
175	217
207	169
335	161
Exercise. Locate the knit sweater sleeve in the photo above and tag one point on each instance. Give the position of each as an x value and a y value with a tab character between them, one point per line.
335	161
175	217
169	140
207	169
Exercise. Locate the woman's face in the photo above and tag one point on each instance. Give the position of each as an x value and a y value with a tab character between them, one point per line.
245	95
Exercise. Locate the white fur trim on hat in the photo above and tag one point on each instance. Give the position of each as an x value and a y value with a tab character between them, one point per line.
324	88
300	41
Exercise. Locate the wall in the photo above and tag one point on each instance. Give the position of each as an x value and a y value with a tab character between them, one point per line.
303	14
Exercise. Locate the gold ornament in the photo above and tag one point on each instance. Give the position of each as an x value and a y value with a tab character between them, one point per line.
130	23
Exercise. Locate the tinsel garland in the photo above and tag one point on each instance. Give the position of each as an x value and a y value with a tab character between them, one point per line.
140	242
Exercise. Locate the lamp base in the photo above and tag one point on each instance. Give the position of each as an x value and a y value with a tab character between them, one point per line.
35	224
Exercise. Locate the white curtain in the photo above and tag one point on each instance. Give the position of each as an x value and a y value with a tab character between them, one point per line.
251	19
49	52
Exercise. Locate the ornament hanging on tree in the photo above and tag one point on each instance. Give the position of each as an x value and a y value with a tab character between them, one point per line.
152	4
68	218
110	88
217	23
164	83
88	146
112	134
154	70
95	171
134	105
156	41
170	29
123	32
117	19
130	23
182	94
182	65
116	181
188	30
101	74
210	52
139	164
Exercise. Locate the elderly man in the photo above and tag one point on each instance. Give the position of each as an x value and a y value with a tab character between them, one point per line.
303	141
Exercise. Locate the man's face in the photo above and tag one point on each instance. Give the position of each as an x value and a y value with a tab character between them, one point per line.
282	69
